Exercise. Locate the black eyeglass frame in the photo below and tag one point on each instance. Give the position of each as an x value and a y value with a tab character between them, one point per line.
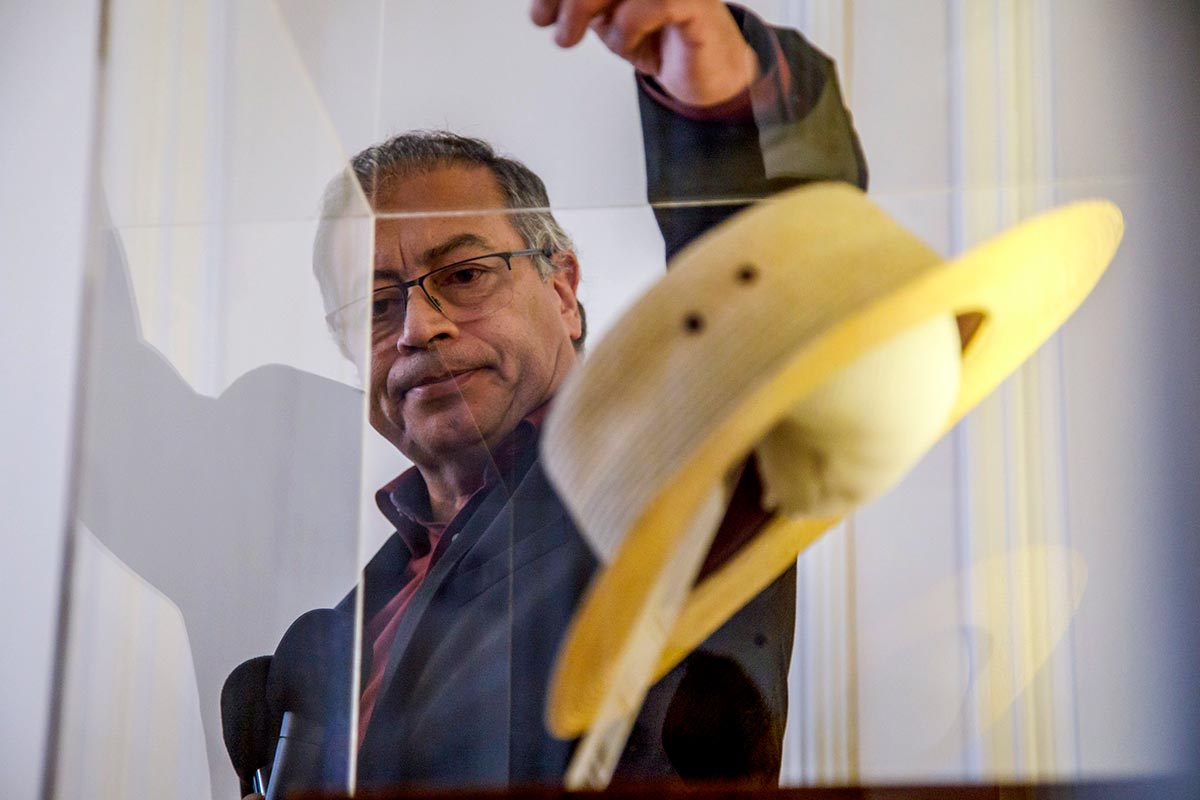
419	281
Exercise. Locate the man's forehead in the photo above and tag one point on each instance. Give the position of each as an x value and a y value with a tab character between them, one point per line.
430	217
453	188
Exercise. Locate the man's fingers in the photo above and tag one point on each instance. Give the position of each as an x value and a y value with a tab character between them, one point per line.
634	21
574	17
543	12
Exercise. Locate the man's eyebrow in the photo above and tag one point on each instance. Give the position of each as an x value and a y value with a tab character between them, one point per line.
387	275
433	254
450	245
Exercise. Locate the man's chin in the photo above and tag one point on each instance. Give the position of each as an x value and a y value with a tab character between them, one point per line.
449	432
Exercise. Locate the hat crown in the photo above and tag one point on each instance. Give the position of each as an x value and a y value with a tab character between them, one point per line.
736	305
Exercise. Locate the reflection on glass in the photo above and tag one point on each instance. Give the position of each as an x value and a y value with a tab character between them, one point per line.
218	489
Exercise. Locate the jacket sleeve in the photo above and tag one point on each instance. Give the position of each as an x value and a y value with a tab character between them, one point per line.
789	128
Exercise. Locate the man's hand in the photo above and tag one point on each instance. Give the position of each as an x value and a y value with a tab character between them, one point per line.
692	47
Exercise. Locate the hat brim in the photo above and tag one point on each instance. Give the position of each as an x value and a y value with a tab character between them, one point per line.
1016	289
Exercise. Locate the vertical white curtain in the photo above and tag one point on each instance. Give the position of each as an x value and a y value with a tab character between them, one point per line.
995	629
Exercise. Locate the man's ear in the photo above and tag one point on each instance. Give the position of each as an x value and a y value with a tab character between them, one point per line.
565	280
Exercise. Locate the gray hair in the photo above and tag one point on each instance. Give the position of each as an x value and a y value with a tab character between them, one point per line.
374	170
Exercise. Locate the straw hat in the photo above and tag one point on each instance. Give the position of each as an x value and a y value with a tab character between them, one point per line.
815	331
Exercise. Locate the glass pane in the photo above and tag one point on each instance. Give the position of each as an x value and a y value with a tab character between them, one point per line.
219	476
264	435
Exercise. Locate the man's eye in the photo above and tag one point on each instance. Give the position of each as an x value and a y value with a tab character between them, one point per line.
463	276
385	302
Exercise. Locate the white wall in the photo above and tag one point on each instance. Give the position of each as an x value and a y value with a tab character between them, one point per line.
47	66
1129	123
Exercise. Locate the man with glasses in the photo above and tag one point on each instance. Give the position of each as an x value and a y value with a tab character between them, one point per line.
474	325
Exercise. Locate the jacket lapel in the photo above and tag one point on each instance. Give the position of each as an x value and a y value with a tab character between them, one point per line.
486	515
380	578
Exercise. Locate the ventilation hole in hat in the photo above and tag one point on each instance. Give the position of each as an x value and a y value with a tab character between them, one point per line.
747	273
969	323
693	323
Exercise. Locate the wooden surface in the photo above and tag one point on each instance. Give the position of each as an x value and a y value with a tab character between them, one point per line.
1158	788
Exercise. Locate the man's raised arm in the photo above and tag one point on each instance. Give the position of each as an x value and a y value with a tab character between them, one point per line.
788	127
732	109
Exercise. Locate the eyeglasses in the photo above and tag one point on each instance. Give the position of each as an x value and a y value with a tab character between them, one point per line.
464	291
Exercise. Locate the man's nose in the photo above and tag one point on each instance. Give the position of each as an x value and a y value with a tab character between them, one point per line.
423	322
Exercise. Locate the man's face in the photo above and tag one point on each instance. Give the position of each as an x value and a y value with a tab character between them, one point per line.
438	388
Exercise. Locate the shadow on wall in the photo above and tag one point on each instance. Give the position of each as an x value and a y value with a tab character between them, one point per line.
242	510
